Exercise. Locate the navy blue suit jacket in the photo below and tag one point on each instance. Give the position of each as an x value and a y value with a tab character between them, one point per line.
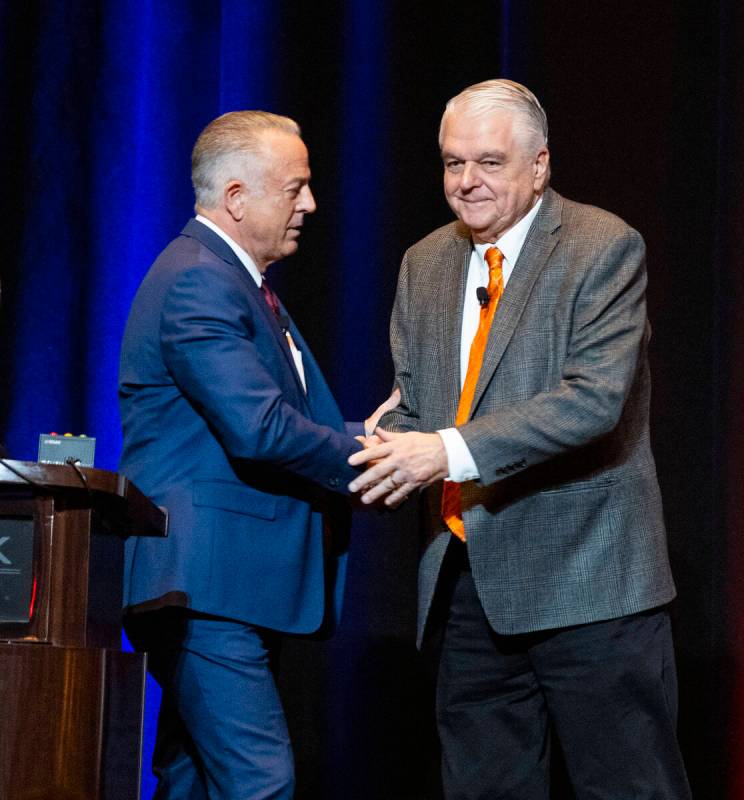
218	429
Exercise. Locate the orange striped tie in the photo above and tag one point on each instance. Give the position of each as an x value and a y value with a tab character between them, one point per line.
451	502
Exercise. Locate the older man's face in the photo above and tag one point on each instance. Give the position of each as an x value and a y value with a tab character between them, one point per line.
277	199
492	177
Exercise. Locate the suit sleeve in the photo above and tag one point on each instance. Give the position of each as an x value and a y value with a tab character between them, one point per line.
603	358
354	428
404	417
208	343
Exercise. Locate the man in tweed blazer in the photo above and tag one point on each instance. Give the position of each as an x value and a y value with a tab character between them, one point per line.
551	616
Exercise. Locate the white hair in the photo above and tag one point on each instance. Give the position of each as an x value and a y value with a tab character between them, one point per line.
502	95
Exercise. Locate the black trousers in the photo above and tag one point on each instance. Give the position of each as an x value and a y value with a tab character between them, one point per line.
606	690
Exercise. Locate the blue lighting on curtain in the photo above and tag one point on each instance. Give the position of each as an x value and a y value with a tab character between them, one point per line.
114	118
364	154
150	104
249	32
121	91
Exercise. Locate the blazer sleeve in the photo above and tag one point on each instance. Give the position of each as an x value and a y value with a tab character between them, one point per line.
209	344
354	428
404	417
607	334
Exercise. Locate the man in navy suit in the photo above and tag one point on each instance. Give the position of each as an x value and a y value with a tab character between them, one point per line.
229	424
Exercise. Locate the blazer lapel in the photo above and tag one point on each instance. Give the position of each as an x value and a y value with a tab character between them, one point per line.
281	338
451	298
541	240
222	249
321	404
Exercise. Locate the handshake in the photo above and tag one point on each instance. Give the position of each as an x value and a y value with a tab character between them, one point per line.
396	463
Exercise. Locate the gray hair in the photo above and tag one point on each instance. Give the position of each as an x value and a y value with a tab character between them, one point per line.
227	149
502	95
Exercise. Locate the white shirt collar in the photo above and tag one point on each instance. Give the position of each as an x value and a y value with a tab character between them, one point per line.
511	242
245	259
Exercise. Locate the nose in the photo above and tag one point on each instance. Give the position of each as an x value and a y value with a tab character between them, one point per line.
307	201
468	176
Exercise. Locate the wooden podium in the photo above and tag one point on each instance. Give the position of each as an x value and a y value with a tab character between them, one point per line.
70	700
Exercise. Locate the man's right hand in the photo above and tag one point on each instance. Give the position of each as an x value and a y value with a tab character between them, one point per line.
401	463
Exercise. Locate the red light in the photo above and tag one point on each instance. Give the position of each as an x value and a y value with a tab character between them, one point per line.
33	602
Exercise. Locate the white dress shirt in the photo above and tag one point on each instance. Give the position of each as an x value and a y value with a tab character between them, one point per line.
254	272
460	461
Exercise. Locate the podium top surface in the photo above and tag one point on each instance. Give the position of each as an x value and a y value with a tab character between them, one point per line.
126	510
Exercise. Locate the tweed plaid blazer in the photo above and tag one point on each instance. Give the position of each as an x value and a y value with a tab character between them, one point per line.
565	524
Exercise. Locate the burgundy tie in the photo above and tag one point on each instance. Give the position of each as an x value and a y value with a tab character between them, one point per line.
270	297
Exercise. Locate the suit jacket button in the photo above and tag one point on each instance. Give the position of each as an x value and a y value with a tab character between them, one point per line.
333	482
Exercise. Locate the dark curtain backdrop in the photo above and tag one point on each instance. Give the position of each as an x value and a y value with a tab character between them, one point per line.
100	103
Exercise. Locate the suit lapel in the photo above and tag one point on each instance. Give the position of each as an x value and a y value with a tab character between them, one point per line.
281	338
451	298
541	240
322	406
222	249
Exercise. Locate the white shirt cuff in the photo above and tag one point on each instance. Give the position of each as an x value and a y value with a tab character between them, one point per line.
459	461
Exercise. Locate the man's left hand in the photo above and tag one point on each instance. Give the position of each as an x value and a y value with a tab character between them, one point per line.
400	464
388	405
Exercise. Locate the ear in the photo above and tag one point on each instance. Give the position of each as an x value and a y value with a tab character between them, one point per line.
233	198
540	168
